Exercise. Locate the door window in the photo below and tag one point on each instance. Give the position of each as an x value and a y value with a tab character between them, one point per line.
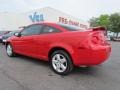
32	30
48	29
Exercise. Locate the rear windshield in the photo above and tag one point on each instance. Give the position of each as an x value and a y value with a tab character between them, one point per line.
70	27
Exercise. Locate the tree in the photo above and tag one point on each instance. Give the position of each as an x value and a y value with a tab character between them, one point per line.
115	23
111	22
102	20
93	22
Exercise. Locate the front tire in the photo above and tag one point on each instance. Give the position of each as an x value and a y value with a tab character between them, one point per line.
61	62
9	50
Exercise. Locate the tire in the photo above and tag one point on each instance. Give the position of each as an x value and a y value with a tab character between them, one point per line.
9	50
61	62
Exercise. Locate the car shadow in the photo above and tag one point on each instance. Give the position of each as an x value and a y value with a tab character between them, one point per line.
32	60
86	71
76	71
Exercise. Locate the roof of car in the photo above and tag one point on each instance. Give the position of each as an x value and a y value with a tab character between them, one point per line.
59	24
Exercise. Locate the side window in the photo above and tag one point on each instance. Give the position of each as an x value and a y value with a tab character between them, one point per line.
32	30
48	29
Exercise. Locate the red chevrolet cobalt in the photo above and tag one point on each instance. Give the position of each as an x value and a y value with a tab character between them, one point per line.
62	45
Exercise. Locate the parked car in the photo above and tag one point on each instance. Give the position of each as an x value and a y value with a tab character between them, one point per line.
62	45
113	36
6	36
3	33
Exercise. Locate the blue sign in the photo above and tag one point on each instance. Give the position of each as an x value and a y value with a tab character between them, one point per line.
36	17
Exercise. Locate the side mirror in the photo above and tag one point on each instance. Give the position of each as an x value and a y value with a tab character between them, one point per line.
17	34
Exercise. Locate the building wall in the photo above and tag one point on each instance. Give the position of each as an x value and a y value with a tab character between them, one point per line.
12	21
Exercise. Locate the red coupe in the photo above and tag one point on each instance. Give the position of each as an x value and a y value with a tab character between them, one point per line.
62	45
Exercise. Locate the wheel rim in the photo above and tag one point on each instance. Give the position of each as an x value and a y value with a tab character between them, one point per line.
59	63
9	50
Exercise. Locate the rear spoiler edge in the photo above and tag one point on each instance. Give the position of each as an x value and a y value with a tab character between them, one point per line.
100	28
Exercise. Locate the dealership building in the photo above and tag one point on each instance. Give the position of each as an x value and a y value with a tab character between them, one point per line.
12	21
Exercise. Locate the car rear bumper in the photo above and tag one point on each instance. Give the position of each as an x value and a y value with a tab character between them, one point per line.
93	56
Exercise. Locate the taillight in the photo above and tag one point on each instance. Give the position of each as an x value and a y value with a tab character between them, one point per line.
95	40
98	38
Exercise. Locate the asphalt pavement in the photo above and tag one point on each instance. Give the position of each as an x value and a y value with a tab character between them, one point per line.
24	73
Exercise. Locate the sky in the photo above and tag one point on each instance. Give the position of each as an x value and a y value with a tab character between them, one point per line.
83	9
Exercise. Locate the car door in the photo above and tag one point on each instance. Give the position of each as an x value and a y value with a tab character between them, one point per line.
47	36
26	43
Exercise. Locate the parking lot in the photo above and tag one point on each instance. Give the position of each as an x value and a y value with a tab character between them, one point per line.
23	73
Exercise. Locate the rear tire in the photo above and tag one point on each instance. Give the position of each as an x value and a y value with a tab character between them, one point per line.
61	62
9	50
